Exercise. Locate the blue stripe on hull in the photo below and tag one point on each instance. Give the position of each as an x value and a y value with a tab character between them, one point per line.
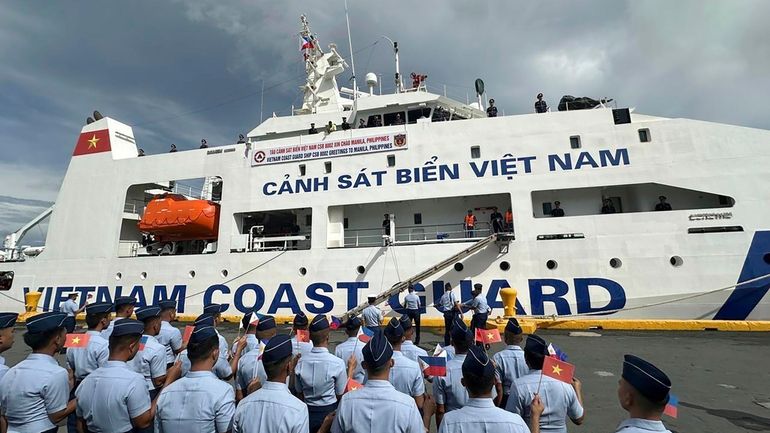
744	299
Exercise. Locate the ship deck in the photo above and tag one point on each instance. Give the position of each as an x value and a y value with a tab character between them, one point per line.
714	374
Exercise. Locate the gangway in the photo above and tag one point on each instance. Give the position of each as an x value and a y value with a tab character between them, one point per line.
403	285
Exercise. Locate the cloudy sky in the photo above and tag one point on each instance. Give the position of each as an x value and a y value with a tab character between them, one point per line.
182	70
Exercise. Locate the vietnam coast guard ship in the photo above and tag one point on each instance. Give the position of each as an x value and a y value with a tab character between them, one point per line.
291	220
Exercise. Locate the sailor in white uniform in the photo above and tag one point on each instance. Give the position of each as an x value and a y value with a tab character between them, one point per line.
124	309
644	391
114	397
7	322
151	360
350	346
199	401
300	323
169	336
34	394
377	407
405	374
509	362
479	415
272	408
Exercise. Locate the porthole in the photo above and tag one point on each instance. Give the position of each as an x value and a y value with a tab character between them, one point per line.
303	271
361	269
676	261
118	276
459	267
766	258
191	274
504	266
551	264
143	275
615	262
223	273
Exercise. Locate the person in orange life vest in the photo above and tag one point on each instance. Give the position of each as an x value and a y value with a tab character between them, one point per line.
470	224
509	220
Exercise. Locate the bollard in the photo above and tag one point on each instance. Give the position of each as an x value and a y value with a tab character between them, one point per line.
508	294
31	299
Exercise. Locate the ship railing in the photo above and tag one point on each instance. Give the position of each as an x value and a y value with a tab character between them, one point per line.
258	242
134	206
129	248
418	234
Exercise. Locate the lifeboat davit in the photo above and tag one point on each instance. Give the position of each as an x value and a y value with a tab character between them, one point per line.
172	217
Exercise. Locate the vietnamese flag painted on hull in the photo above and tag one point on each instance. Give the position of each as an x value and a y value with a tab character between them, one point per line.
93	142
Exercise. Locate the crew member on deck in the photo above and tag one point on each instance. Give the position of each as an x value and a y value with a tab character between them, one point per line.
330	127
204	144
662	204
496	218
469	224
643	391
241	139
386	229
509	362
372	315
7	322
509	221
557	211
412	305
492	110
450	306
398	120
124	308
312	129
607	206
540	104
70	307
345	125
173	148
361	124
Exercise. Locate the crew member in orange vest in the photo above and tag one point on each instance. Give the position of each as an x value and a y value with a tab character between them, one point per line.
470	224
509	221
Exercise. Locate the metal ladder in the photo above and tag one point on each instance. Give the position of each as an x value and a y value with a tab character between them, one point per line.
403	285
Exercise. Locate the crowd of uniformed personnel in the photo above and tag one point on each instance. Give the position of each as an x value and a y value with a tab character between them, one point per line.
142	375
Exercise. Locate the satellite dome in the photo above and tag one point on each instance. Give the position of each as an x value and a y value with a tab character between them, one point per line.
371	79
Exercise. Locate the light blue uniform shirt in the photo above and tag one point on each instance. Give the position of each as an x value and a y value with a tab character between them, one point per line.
479	415
247	370
251	344
198	402
559	399
108	331
377	408
411	302
372	316
31	390
637	425
345	349
221	369
406	376
447	301
448	390
224	352
509	365
3	367
320	377
300	347
171	339
70	307
271	409
412	351
84	360
150	362
110	397
480	305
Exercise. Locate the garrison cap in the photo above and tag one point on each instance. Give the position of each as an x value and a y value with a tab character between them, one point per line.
353	323
99	308
204	319
213	308
7	320
167	305
648	379
513	327
202	333
478	286
460	332
266	323
477	363
406	322
377	351
124	300
319	323
278	348
148	312
127	327
394	329
300	319
44	322
535	344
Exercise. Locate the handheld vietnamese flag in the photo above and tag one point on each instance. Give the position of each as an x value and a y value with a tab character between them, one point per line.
352	385
558	369
436	365
672	407
365	334
336	323
143	342
93	142
303	335
76	341
188	330
488	336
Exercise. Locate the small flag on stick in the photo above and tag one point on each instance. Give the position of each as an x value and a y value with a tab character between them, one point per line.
352	385
188	330
559	370
303	335
488	336
435	365
76	341
336	323
672	407
365	334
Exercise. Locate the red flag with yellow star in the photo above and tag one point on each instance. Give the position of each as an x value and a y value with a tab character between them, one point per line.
352	385
93	142
76	341
488	336
560	370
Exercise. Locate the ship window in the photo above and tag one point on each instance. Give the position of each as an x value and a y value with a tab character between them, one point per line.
6	280
277	230
309	220
574	142
676	261
302	169
551	264
345	223
644	135
391	160
459	267
419	113
440	114
327	167
418	218
475	152
395	118
374	120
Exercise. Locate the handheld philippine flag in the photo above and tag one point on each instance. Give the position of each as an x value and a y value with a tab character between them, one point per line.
76	341
303	335
188	330
557	353
488	336
365	334
435	365
559	370
143	342
672	407
352	385
336	323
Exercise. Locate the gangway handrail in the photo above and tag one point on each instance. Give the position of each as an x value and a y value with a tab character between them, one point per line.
403	285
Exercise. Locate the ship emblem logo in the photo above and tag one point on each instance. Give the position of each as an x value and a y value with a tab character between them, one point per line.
399	140
259	156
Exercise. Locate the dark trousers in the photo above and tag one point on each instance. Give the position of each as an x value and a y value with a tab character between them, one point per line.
449	317
69	323
504	401
317	415
479	321
72	419
415	316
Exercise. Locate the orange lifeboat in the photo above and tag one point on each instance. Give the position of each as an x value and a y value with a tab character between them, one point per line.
172	217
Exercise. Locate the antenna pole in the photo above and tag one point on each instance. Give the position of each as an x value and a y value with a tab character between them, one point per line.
399	86
352	62
262	100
